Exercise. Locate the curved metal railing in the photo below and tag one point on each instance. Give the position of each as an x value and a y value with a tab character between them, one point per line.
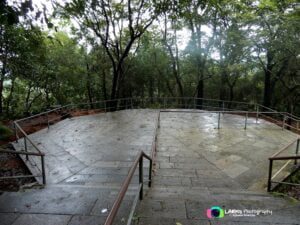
283	119
288	159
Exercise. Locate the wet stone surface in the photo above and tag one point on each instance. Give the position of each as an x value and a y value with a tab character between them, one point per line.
197	166
200	166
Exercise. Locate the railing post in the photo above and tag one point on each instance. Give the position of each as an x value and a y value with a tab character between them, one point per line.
48	121
223	106
25	146
194	103
270	175
16	132
131	103
164	102
257	110
246	119
219	118
43	169
283	122
141	177
150	173
297	150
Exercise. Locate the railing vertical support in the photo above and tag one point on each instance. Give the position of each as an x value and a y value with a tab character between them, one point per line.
43	169
194	103
150	173
25	146
283	122
219	118
141	177
297	150
47	120
246	119
16	132
270	175
257	110
131	102
223	106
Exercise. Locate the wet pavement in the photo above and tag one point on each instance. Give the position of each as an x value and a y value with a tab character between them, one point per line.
198	166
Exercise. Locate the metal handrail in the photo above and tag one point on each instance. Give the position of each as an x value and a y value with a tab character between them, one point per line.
284	114
275	157
42	155
138	161
185	102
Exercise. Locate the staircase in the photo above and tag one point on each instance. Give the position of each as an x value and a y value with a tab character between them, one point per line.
189	180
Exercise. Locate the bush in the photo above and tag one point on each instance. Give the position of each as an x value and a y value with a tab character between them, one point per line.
5	132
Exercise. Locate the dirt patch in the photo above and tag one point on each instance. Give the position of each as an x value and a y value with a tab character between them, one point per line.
292	191
12	165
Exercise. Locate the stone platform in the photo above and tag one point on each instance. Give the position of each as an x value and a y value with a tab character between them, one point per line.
198	166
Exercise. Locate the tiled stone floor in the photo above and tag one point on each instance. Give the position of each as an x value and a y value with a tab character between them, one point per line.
198	165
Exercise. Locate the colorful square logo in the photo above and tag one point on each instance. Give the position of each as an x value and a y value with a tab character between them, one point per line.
215	212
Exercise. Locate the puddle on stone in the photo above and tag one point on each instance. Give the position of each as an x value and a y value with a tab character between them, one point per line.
104	210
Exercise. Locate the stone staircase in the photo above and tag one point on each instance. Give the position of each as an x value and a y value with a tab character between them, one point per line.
173	205
192	175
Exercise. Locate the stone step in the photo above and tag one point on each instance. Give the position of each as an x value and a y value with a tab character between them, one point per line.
170	208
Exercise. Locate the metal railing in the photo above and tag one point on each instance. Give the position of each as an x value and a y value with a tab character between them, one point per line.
34	153
27	154
114	210
138	161
288	160
282	119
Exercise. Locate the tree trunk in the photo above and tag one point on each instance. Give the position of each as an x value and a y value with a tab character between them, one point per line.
1	85
151	89
200	93
27	100
267	83
222	93
10	97
267	89
104	84
1	96
88	86
231	93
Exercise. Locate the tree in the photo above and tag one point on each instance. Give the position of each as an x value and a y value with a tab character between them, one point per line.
272	47
118	25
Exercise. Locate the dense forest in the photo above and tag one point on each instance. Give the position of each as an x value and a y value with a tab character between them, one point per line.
88	50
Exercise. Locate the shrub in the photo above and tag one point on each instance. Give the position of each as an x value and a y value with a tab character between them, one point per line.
5	132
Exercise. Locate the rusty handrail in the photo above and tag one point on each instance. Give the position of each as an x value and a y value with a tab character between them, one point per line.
275	157
22	152
17	126
187	102
138	160
284	148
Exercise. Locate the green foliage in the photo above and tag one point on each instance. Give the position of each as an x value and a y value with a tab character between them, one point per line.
5	132
118	51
